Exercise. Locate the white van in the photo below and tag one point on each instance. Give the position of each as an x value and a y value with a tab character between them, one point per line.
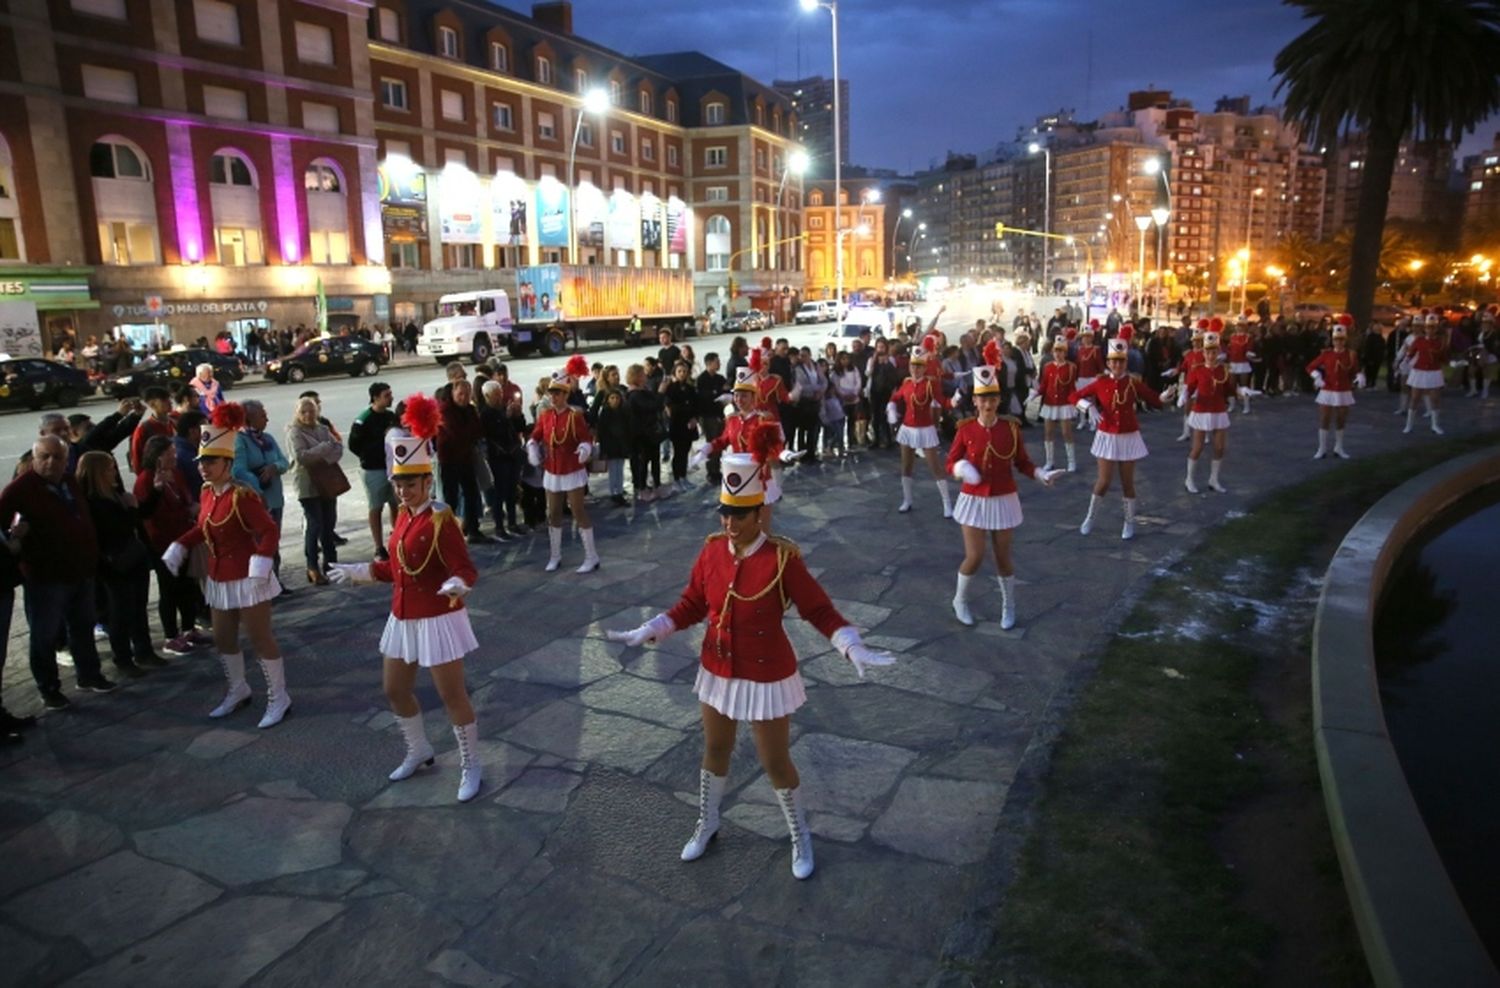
469	324
820	311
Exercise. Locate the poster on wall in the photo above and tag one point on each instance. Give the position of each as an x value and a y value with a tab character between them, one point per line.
650	222
403	201
623	228
459	201
677	226
539	297
551	213
20	332
592	211
508	199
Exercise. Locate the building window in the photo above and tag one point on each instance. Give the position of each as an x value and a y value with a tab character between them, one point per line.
648	149
314	44
580	80
671	111
239	246
320	117
815	222
546	126
10	244
389	26
217	22
760	159
544	71
585	134
499	57
447	42
461	256
408	255
111	85
716	245
671	155
713	114
717	193
128	242
321	178
715	157
393	94
230	169
614	92
327	214
225	103
397	149
760	115
452	104
502	117
109	160
112	9
616	142
645	103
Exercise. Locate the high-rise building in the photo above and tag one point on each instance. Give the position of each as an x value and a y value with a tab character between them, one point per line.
1419	182
812	101
1481	192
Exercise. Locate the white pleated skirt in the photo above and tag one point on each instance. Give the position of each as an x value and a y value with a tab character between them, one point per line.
1208	421
1336	399
1425	380
992	514
429	641
559	483
234	594
745	699
1240	367
918	437
1122	448
1059	413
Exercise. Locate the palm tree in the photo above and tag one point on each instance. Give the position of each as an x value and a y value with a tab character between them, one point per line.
1389	68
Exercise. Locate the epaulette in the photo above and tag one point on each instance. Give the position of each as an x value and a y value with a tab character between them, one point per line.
1009	418
438	507
965	421
715	537
784	544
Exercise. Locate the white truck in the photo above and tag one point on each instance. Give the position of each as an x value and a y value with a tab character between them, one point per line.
469	325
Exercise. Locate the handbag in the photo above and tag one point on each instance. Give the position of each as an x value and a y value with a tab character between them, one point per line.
328	479
133	558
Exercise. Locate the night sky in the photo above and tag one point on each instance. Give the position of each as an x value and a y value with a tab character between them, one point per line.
927	76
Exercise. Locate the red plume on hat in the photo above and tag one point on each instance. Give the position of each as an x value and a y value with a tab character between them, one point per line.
1072	333
992	353
756	362
577	366
765	343
1248	312
1127	332
421	416
1345	320
1203	324
764	443
230	415
1093	324
1216	325
930	343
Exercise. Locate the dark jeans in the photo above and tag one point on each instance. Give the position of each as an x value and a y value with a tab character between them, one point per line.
129	627
459	481
808	427
713	428
882	433
645	454
507	473
682	445
317	513
51	607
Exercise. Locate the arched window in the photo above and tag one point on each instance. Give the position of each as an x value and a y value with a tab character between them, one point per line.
236	209
815	197
124	202
327	213
12	247
716	245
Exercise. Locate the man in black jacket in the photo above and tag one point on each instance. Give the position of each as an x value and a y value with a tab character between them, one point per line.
367	441
82	434
711	387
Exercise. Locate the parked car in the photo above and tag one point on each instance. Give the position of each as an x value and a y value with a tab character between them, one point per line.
819	311
30	382
749	321
1313	311
337	355
1385	314
175	366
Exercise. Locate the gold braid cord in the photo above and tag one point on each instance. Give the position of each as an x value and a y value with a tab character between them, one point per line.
784	551
437	523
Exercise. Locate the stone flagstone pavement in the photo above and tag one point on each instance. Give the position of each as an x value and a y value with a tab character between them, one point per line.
144	844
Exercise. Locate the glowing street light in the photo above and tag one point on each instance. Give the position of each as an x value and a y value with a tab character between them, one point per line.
796	163
905	214
1142	223
595	101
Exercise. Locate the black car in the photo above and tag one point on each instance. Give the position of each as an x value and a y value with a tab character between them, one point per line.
338	355
171	367
30	382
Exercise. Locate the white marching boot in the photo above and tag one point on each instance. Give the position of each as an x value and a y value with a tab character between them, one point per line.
906	488
238	693
796	824
1047	445
1187	433
590	554
419	753
278	701
1128	531
1213	477
554	535
1322	444
1411	416
1007	602
710	793
471	774
1435	427
1338	445
961	601
1072	457
1192	488
1244	404
1088	519
1403	403
942	487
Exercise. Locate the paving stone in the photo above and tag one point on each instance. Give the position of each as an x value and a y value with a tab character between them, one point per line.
284	789
225	945
843	776
438	786
112	902
678	768
913	672
24	957
325	883
158	790
565	662
57	844
253	840
615	921
942	819
568	730
983	763
396	936
540	790
219	742
879	713
457	967
669	704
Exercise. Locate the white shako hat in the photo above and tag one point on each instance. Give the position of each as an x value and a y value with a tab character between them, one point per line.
743	485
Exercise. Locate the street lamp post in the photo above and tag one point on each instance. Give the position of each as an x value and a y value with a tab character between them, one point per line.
1034	147
1142	223
905	214
796	163
1249	226
1160	214
838	151
595	101
921	229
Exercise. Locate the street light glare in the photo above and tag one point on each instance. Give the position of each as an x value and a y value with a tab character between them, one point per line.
1142	223
596	101
1033	147
797	162
1151	166
1161	214
809	5
906	213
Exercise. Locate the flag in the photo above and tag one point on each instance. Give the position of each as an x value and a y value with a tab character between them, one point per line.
321	304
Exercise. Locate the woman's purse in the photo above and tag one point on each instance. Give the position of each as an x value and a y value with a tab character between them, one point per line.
328	479
132	559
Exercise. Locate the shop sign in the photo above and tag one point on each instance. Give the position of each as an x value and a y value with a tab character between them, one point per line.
20	332
237	307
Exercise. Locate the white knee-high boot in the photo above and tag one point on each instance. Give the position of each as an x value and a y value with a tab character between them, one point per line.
961	601
1088	519
590	555
278	701
238	693
710	794
796	825
1322	444
1411	416
471	774
906	489
1338	445
1213	477
1072	458
1047	447
419	751
1128	531
555	536
942	486
1192	488
1007	602
1435	426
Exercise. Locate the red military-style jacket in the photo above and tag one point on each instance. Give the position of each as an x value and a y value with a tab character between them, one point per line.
736	434
235	525
1058	380
1211	388
1428	353
1193	358
993	451
1116	398
745	600
770	395
559	434
1239	348
1090	361
425	549
919	396
1338	368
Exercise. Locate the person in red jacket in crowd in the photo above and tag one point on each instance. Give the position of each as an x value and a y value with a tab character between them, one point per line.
1426	355
241	537
430	573
459	435
915	407
159	422
1118	441
168	511
1059	379
561	444
1194	358
1335	374
1241	356
738	430
742	582
1207	392
985	451
1090	360
770	390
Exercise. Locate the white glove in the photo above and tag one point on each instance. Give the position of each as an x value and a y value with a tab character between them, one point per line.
965	472
891	414
1047	476
658	629
789	456
352	573
454	587
174	557
1182	397
1085	407
699	457
726	399
1169	372
1359	379
260	567
534	453
585	452
1318	380
847	641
